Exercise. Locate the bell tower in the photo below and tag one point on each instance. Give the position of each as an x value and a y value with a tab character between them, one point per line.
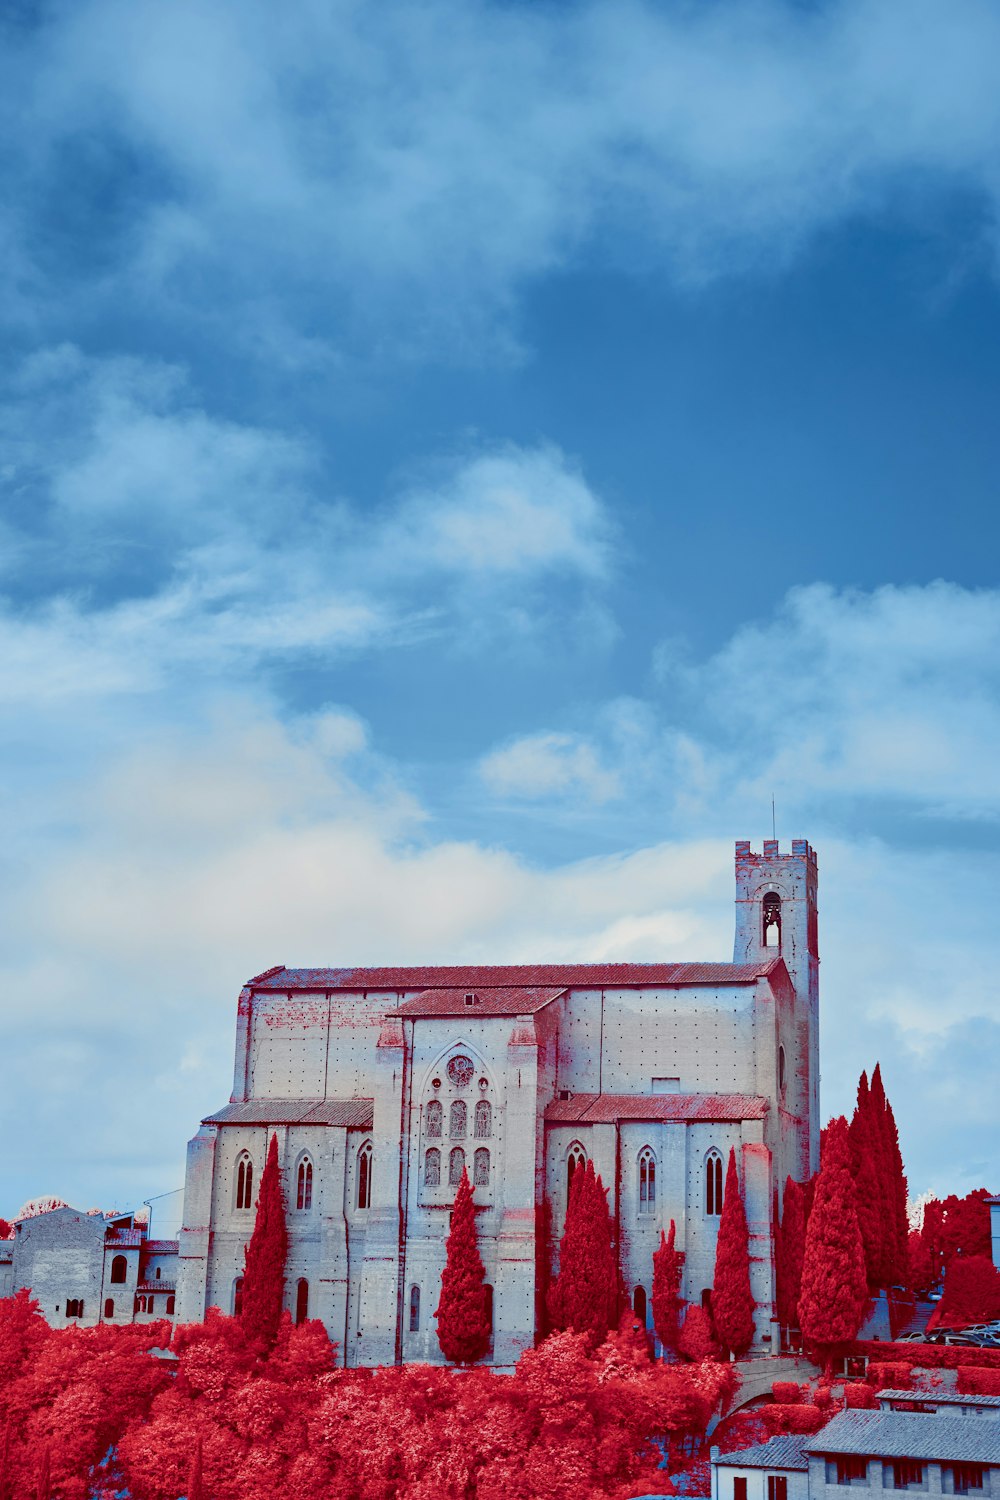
776	917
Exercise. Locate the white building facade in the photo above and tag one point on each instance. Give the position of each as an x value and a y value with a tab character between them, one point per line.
382	1084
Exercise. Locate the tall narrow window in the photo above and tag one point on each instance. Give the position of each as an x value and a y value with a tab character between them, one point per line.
639	1304
237	1296
304	1185
432	1167
481	1168
301	1300
713	1183
771	919
170	1306
119	1267
777	1487
647	1182
365	1176
488	1295
244	1181
432	1119
414	1309
575	1158
484	1119
456	1166
458	1119
109	1308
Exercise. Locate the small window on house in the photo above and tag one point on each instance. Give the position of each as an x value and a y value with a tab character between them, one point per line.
301	1300
109	1307
119	1269
244	1182
365	1176
432	1167
771	919
713	1183
739	1487
470	999
237	1296
647	1182
432	1119
965	1479
777	1487
170	1306
456	1166
458	1119
481	1168
907	1474
484	1120
576	1157
304	1185
414	1309
849	1468
157	1277
74	1308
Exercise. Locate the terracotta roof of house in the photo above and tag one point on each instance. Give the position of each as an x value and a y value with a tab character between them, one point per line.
509	976
125	1239
161	1247
786	1451
509	1001
901	1434
595	1109
350	1112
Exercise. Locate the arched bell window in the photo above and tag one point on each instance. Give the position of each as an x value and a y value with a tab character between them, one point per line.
244	1181
713	1184
365	1176
304	1185
647	1181
771	920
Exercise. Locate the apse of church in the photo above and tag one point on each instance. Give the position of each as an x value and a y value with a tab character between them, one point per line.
383	1084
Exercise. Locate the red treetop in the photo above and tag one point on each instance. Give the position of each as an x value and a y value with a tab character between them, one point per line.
668	1265
971	1293
463	1325
732	1299
6	1229
583	1298
696	1341
791	1249
896	1227
868	1161
264	1277
834	1284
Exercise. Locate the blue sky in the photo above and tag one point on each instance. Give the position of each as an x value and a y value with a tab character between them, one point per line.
459	461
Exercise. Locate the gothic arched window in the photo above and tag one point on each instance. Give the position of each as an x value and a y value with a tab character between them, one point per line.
432	1167
119	1267
481	1168
456	1166
304	1185
301	1300
639	1304
771	921
713	1183
458	1119
244	1181
365	1176
414	1309
647	1181
484	1120
237	1296
576	1157
432	1119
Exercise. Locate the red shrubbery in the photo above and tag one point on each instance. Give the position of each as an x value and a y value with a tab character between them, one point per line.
800	1417
889	1377
977	1382
928	1356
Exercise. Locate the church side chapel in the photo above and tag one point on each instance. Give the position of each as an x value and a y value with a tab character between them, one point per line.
383	1085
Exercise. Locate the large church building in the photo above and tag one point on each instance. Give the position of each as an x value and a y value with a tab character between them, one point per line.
382	1084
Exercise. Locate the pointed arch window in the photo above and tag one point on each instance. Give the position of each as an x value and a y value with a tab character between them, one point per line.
484	1120
301	1300
304	1185
414	1309
432	1167
244	1181
237	1296
639	1304
456	1166
481	1168
458	1119
432	1119
119	1269
713	1184
771	921
365	1176
647	1181
575	1157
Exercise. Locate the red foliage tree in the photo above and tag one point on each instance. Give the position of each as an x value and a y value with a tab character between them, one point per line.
834	1282
868	1161
195	1487
696	1341
971	1293
583	1297
668	1266
732	1299
965	1225
6	1229
791	1249
462	1315
264	1277
896	1226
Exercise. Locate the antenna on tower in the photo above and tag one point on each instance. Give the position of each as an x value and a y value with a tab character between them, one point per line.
773	834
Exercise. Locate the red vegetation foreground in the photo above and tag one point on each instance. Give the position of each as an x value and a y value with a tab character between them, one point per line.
230	1424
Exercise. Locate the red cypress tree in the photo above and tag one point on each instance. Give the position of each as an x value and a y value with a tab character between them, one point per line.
868	1163
792	1245
264	1276
696	1341
732	1298
668	1266
195	1487
896	1228
834	1289
583	1298
462	1315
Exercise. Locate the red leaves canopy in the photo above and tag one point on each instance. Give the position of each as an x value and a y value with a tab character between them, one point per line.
790	1252
583	1298
462	1317
971	1293
834	1283
668	1266
732	1299
264	1277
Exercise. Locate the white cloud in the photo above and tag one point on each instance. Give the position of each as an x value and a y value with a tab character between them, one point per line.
548	765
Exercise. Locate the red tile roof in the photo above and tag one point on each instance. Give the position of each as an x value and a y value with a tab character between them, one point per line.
509	976
125	1239
486	1002
600	1109
350	1112
161	1247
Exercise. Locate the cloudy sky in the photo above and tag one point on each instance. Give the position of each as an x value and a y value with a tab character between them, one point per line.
459	462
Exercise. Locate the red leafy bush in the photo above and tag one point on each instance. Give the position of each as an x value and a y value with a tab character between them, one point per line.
800	1418
890	1377
971	1293
973	1381
860	1397
823	1397
786	1392
929	1356
696	1341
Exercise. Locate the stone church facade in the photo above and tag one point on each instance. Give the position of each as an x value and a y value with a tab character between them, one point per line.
381	1084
